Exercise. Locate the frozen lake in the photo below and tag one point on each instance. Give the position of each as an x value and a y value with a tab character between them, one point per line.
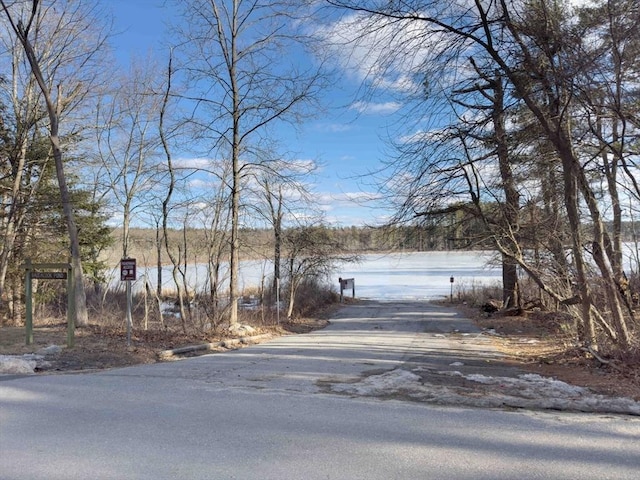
393	276
420	275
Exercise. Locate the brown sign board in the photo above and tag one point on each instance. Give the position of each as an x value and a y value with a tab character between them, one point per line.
127	269
49	275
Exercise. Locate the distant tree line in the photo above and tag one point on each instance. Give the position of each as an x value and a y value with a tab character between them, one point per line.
454	231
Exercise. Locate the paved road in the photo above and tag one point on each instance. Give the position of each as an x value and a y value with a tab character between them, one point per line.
327	405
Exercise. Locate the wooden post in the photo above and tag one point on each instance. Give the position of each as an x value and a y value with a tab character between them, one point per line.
451	280
71	305
28	303
34	270
129	305
128	274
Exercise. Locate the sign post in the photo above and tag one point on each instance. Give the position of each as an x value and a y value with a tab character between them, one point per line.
127	274
451	280
278	300
347	284
48	271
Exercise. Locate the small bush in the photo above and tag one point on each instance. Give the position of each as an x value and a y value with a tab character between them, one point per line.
313	295
476	294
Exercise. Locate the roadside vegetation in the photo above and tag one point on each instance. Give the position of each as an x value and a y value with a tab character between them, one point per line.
545	341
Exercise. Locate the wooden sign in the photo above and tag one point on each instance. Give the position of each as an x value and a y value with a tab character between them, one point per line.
49	275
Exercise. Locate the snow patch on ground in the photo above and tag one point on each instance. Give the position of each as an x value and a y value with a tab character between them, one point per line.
389	383
525	391
14	365
26	364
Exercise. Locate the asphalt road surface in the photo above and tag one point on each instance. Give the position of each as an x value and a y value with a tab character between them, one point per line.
326	405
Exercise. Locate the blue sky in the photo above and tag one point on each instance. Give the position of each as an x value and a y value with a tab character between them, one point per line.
345	139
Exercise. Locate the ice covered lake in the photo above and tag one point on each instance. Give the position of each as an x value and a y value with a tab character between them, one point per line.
391	276
420	275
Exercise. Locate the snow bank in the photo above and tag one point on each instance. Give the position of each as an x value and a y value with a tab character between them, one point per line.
525	391
27	363
15	365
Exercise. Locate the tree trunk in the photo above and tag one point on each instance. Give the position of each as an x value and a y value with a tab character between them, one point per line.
234	264
234	267
600	246
511	210
586	330
275	204
159	261
510	292
292	289
80	316
125	232
13	219
13	222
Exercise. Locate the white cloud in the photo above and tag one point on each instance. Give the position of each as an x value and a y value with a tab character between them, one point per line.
375	108
417	137
195	163
199	183
385	52
333	127
355	197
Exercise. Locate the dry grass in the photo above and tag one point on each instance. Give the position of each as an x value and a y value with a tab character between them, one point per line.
101	347
103	343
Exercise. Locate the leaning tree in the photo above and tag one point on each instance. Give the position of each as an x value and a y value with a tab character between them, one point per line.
62	41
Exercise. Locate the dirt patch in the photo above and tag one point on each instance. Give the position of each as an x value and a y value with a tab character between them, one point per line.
541	343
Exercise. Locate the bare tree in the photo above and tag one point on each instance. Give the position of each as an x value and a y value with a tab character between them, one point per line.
311	253
127	142
20	179
58	38
282	193
540	53
609	96
246	83
213	216
176	259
